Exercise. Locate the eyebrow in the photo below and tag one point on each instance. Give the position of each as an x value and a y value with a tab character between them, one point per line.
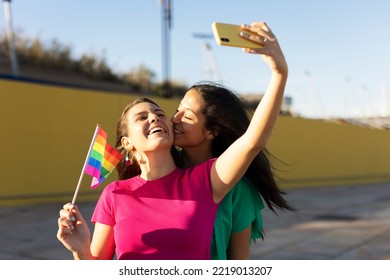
187	108
159	110
155	111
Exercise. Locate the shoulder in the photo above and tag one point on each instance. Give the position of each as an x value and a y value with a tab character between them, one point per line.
245	194
116	187
245	187
198	179
204	166
200	172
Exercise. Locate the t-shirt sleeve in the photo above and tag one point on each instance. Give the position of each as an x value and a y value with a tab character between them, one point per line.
104	209
247	205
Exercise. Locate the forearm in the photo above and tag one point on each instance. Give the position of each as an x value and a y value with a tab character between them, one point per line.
267	112
232	164
84	255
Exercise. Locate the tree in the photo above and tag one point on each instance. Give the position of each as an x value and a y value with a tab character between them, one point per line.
141	77
58	56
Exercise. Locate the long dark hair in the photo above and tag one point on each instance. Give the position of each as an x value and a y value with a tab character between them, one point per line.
228	118
126	171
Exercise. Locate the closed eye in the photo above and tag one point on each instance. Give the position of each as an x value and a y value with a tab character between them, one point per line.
141	118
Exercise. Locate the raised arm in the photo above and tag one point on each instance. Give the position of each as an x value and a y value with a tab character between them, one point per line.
234	162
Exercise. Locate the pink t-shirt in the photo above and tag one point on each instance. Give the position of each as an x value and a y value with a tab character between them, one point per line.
168	218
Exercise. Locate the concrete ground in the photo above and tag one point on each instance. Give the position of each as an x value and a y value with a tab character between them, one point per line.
341	223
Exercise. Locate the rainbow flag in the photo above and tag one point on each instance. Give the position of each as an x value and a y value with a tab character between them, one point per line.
102	158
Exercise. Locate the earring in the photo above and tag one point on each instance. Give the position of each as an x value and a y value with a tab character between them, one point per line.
128	160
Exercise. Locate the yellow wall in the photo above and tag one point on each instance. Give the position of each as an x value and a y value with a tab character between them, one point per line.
45	135
325	153
46	132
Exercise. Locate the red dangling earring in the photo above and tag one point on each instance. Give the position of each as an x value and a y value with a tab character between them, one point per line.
128	160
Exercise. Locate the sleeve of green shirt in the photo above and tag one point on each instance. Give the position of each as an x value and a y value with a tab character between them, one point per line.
247	205
240	208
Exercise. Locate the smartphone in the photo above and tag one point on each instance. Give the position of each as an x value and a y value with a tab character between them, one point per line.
229	35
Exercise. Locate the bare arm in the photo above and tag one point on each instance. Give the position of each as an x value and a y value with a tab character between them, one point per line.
103	244
234	162
239	245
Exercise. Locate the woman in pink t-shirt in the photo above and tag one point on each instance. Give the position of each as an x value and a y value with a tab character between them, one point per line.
161	211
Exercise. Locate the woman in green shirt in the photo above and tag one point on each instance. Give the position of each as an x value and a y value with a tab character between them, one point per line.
204	126
211	117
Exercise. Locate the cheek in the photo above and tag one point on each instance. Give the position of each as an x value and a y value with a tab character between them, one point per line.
135	130
190	129
136	134
194	133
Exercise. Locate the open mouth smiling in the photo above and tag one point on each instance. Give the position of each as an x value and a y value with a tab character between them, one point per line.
177	131
156	130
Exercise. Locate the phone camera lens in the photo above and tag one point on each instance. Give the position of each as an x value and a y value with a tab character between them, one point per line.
225	40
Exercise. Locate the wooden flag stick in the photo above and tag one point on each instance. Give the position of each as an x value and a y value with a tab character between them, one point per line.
85	164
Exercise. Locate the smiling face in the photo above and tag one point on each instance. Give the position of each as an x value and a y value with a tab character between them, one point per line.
148	129
189	122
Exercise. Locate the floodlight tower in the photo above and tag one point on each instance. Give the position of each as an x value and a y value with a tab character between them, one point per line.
211	70
166	24
10	38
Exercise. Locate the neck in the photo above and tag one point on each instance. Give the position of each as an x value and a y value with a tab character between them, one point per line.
155	165
196	155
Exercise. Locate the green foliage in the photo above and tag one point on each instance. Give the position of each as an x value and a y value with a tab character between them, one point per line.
141	77
58	56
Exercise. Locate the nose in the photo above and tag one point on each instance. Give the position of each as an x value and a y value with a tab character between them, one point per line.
176	118
154	118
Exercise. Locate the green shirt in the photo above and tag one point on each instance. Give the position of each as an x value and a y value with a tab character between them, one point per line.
240	208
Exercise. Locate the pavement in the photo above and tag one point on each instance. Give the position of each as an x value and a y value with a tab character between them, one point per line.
331	223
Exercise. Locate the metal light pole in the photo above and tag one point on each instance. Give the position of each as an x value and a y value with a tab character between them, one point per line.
10	38
166	24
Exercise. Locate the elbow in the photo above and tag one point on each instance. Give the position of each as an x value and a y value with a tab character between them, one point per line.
258	146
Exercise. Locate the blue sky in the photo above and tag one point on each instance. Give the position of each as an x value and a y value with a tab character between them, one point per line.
338	51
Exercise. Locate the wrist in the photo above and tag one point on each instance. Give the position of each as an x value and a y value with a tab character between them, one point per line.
83	255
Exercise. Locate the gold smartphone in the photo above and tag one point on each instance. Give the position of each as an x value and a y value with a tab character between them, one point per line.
229	35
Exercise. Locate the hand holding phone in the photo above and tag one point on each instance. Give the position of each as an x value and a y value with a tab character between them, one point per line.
229	35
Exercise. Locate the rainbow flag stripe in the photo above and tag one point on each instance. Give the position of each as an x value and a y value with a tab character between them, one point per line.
102	159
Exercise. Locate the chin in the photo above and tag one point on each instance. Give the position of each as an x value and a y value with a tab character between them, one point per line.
178	141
